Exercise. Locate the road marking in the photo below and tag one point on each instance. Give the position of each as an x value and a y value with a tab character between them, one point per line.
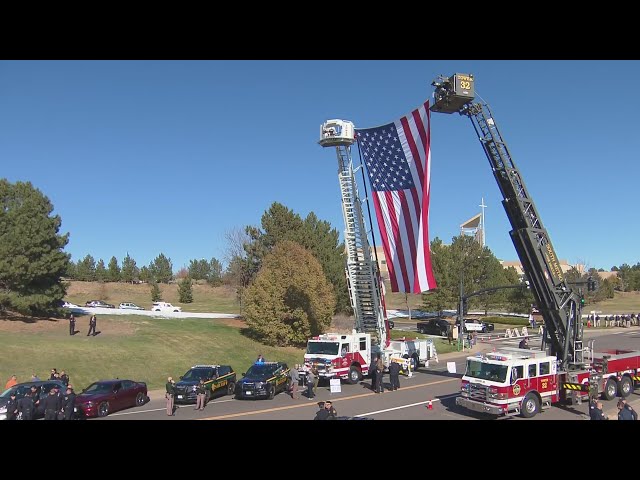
159	409
406	406
314	404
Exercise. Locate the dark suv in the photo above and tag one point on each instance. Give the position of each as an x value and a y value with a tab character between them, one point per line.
435	326
264	380
219	380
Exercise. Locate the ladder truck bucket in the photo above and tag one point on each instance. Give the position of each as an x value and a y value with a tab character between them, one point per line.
334	133
452	93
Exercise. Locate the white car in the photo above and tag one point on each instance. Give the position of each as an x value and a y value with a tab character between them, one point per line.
164	307
66	304
130	306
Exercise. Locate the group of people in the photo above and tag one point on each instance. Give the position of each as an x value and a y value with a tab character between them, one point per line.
377	375
625	411
326	411
613	320
56	405
93	321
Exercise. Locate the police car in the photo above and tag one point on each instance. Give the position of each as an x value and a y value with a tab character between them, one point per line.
263	380
218	379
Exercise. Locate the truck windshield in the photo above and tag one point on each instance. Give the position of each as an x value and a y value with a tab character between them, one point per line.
322	348
486	371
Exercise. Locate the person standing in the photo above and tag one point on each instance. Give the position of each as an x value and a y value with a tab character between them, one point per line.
311	378
68	404
322	413
26	406
623	412
92	325
394	375
13	380
294	375
379	375
260	359
72	324
12	407
598	414
51	405
201	393
316	380
64	378
54	372
634	414
171	391
332	411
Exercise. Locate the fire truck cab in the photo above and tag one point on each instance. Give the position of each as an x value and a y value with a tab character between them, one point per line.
337	355
509	382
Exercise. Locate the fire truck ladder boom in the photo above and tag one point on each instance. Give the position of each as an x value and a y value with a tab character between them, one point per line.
559	305
361	270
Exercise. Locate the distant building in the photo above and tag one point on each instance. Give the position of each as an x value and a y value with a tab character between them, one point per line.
564	265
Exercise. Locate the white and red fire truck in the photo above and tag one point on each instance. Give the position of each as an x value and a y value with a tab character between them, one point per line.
515	381
349	356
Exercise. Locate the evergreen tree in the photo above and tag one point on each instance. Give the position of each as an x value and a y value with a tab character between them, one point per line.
71	272
214	276
144	275
161	269
290	299
185	294
32	260
113	271
86	269
156	294
199	269
129	270
101	271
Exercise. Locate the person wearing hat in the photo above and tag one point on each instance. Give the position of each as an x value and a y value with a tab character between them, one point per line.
12	407
51	405
68	403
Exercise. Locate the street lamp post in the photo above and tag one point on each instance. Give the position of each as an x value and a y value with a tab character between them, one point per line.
461	314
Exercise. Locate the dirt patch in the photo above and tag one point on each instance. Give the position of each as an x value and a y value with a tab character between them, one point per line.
232	322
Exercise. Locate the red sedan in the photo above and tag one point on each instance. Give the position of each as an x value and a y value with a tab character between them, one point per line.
106	396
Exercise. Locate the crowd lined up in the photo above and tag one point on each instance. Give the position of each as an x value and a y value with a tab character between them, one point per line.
626	320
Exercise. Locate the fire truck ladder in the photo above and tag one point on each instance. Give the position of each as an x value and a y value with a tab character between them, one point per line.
361	270
559	305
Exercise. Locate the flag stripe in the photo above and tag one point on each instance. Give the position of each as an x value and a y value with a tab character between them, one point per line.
389	252
393	217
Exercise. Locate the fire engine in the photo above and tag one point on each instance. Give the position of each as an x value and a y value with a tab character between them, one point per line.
349	356
514	381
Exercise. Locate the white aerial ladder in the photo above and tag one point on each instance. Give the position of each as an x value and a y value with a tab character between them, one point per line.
363	277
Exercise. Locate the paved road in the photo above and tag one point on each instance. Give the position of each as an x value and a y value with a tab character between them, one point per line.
149	313
408	403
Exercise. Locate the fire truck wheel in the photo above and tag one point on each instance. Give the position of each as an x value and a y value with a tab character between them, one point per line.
610	389
625	387
530	406
354	375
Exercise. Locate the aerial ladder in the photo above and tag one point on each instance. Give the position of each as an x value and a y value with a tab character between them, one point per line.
559	305
363	276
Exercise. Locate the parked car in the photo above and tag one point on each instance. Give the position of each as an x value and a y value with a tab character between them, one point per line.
392	325
219	380
69	305
42	390
263	380
164	307
107	396
130	306
98	303
476	325
435	326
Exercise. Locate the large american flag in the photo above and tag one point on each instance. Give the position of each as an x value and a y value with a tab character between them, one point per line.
398	157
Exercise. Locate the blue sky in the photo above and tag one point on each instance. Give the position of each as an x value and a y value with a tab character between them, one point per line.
147	157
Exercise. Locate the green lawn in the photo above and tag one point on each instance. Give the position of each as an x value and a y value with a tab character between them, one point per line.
133	347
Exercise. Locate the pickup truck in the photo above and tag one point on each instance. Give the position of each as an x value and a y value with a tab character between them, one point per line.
164	307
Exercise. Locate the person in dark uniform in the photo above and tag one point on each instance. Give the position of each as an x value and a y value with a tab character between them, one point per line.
623	412
53	374
598	414
12	407
64	378
92	325
332	411
68	404
170	395
524	343
51	405
26	406
394	375
72	324
60	397
322	413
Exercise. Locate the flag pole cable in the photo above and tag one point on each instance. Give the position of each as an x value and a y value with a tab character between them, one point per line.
366	193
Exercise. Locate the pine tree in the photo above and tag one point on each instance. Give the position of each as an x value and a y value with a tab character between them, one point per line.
161	269
214	276
86	269
185	294
129	270
32	260
101	271
156	294
113	271
144	275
